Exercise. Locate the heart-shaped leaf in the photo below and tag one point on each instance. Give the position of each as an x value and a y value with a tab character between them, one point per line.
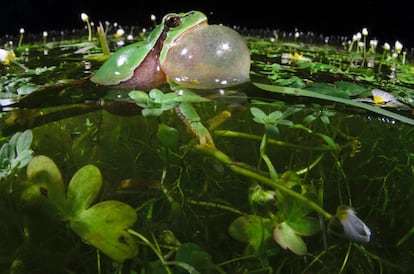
83	189
104	225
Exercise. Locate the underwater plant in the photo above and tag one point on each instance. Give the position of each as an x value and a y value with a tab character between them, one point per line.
103	225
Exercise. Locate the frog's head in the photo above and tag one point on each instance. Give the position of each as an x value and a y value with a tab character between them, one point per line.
177	24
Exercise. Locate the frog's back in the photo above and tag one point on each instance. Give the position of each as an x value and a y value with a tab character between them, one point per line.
119	66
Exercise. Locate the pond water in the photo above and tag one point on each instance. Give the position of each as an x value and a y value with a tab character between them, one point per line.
92	182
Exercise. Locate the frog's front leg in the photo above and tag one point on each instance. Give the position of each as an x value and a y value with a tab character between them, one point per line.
192	120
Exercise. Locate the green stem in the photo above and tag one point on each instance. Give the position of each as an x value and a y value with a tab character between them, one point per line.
268	162
237	134
102	40
216	205
225	159
306	169
153	247
382	61
20	40
89	31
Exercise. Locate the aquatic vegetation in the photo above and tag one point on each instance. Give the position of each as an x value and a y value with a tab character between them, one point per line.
266	176
16	153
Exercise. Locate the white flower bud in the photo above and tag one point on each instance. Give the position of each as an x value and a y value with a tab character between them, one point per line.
373	43
119	33
364	31
84	17
398	46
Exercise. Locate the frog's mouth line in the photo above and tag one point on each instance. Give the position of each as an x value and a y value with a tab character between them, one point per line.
201	24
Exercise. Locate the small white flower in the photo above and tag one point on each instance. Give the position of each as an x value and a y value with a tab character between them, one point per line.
45	34
84	17
354	37
386	46
119	33
6	56
373	43
21	30
365	31
153	17
130	37
398	46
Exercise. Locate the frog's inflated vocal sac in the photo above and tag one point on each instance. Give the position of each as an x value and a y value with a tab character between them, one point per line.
183	50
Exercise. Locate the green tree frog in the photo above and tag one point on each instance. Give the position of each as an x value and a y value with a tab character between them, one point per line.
183	49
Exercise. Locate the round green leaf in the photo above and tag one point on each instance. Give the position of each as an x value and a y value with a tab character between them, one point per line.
168	136
45	183
83	188
105	225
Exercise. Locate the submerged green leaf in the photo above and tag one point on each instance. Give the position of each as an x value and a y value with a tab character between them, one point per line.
45	185
83	188
168	136
251	229
105	225
287	238
306	226
195	258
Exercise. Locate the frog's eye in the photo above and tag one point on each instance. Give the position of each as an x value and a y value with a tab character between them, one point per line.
172	21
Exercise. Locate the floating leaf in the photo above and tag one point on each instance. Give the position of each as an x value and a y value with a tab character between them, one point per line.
352	103
139	97
24	141
349	88
258	115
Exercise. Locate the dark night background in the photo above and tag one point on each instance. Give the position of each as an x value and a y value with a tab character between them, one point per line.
386	21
